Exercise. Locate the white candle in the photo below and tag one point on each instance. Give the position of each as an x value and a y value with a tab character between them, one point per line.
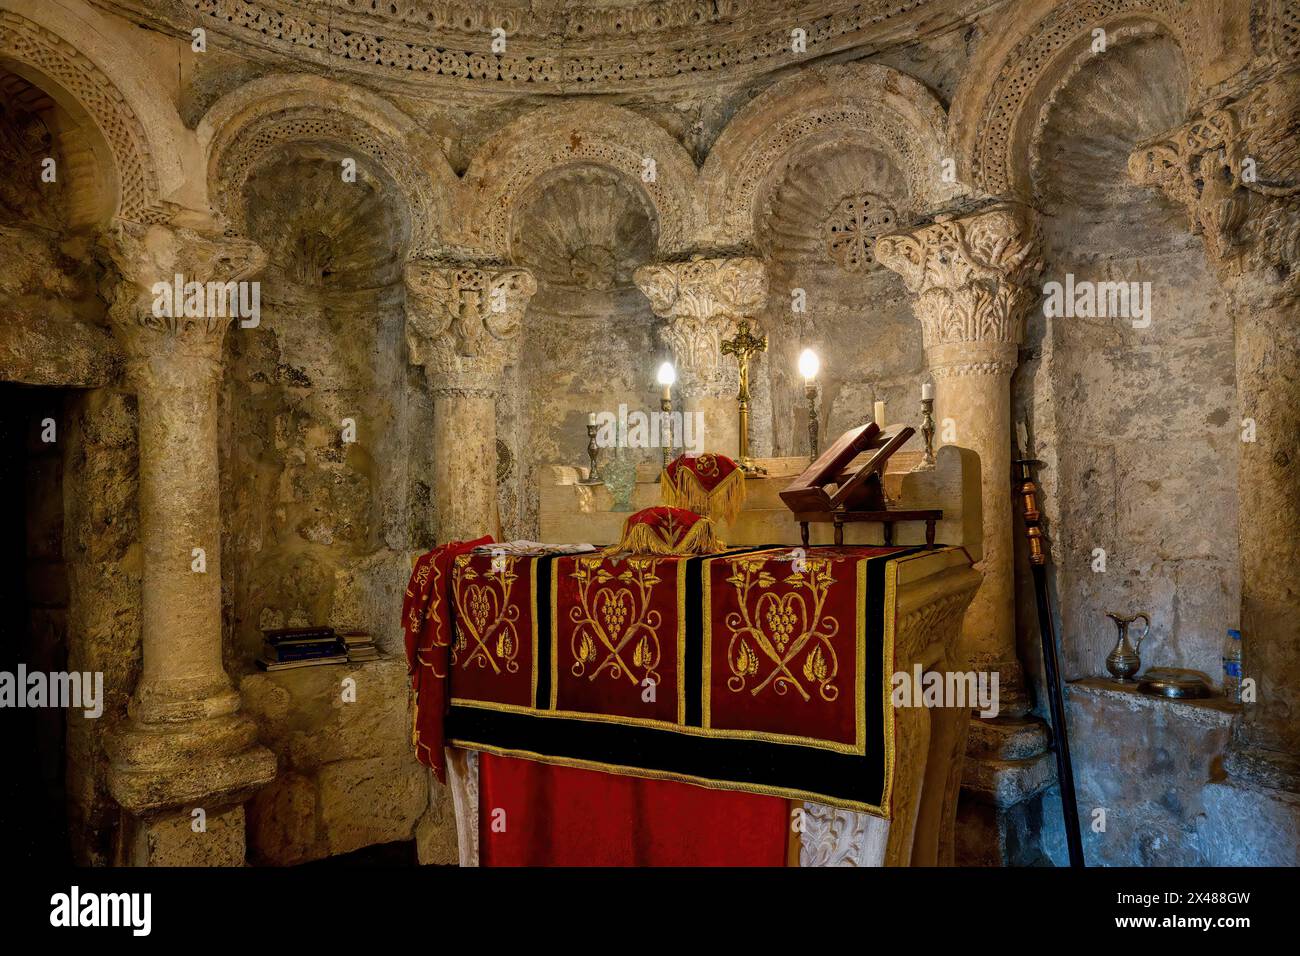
927	391
880	414
666	377
809	365
591	419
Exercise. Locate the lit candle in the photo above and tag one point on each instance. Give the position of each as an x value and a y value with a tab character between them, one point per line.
880	414
927	392
809	365
667	375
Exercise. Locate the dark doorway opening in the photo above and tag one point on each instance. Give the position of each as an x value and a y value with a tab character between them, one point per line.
33	620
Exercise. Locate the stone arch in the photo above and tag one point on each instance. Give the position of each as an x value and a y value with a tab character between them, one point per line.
127	123
248	127
1034	49
858	104
588	133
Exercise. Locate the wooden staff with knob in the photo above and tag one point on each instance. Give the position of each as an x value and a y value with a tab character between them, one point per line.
1027	490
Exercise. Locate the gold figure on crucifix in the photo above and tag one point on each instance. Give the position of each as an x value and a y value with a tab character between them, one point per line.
744	344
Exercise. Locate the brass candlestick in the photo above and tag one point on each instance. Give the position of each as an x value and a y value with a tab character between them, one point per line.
593	476
744	344
927	428
666	407
810	392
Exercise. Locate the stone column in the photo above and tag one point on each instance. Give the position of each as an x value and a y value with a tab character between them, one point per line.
1236	168
463	325
185	746
703	299
971	277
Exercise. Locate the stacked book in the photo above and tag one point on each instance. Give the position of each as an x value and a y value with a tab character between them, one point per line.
360	646
289	647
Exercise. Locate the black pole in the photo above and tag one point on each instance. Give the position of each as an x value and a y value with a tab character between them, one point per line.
1028	491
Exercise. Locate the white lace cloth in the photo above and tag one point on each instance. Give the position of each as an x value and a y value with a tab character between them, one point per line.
522	547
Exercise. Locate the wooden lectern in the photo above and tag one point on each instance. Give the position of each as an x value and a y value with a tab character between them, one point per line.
856	492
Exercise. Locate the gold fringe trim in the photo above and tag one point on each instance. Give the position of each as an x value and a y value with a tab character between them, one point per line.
723	503
642	538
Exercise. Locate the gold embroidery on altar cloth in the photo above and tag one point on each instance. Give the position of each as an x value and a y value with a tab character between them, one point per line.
486	620
777	639
617	631
415	620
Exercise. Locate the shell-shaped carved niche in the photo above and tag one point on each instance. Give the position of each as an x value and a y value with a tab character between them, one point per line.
326	224
584	229
32	190
1136	91
826	211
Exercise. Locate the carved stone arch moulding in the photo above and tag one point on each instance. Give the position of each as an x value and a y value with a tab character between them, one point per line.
30	45
857	103
555	46
587	134
1031	53
251	125
1275	28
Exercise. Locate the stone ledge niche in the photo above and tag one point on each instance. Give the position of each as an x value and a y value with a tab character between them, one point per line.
347	776
1148	762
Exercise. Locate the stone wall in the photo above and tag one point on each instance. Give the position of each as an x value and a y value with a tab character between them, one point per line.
1120	737
101	547
1142	422
1137	426
347	776
325	501
85	583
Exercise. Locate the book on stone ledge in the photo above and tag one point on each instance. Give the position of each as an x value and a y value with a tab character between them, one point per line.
291	647
360	646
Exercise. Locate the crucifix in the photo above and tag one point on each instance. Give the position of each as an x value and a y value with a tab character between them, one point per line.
744	344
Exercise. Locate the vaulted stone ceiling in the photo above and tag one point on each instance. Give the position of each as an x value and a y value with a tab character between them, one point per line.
551	46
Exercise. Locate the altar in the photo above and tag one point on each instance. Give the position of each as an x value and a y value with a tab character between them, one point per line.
758	676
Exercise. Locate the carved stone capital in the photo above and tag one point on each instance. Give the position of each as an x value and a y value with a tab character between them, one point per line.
463	321
703	299
176	295
1235	167
971	278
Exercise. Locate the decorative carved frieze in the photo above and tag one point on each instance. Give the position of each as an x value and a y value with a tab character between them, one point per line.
551	45
1235	167
177	294
463	321
933	620
702	299
970	276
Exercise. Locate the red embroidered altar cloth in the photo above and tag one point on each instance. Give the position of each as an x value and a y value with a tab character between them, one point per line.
536	814
760	670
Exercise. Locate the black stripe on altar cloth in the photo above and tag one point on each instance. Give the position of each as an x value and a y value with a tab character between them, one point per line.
542	621
692	755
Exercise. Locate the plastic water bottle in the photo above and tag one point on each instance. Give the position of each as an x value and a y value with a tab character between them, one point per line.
1232	665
